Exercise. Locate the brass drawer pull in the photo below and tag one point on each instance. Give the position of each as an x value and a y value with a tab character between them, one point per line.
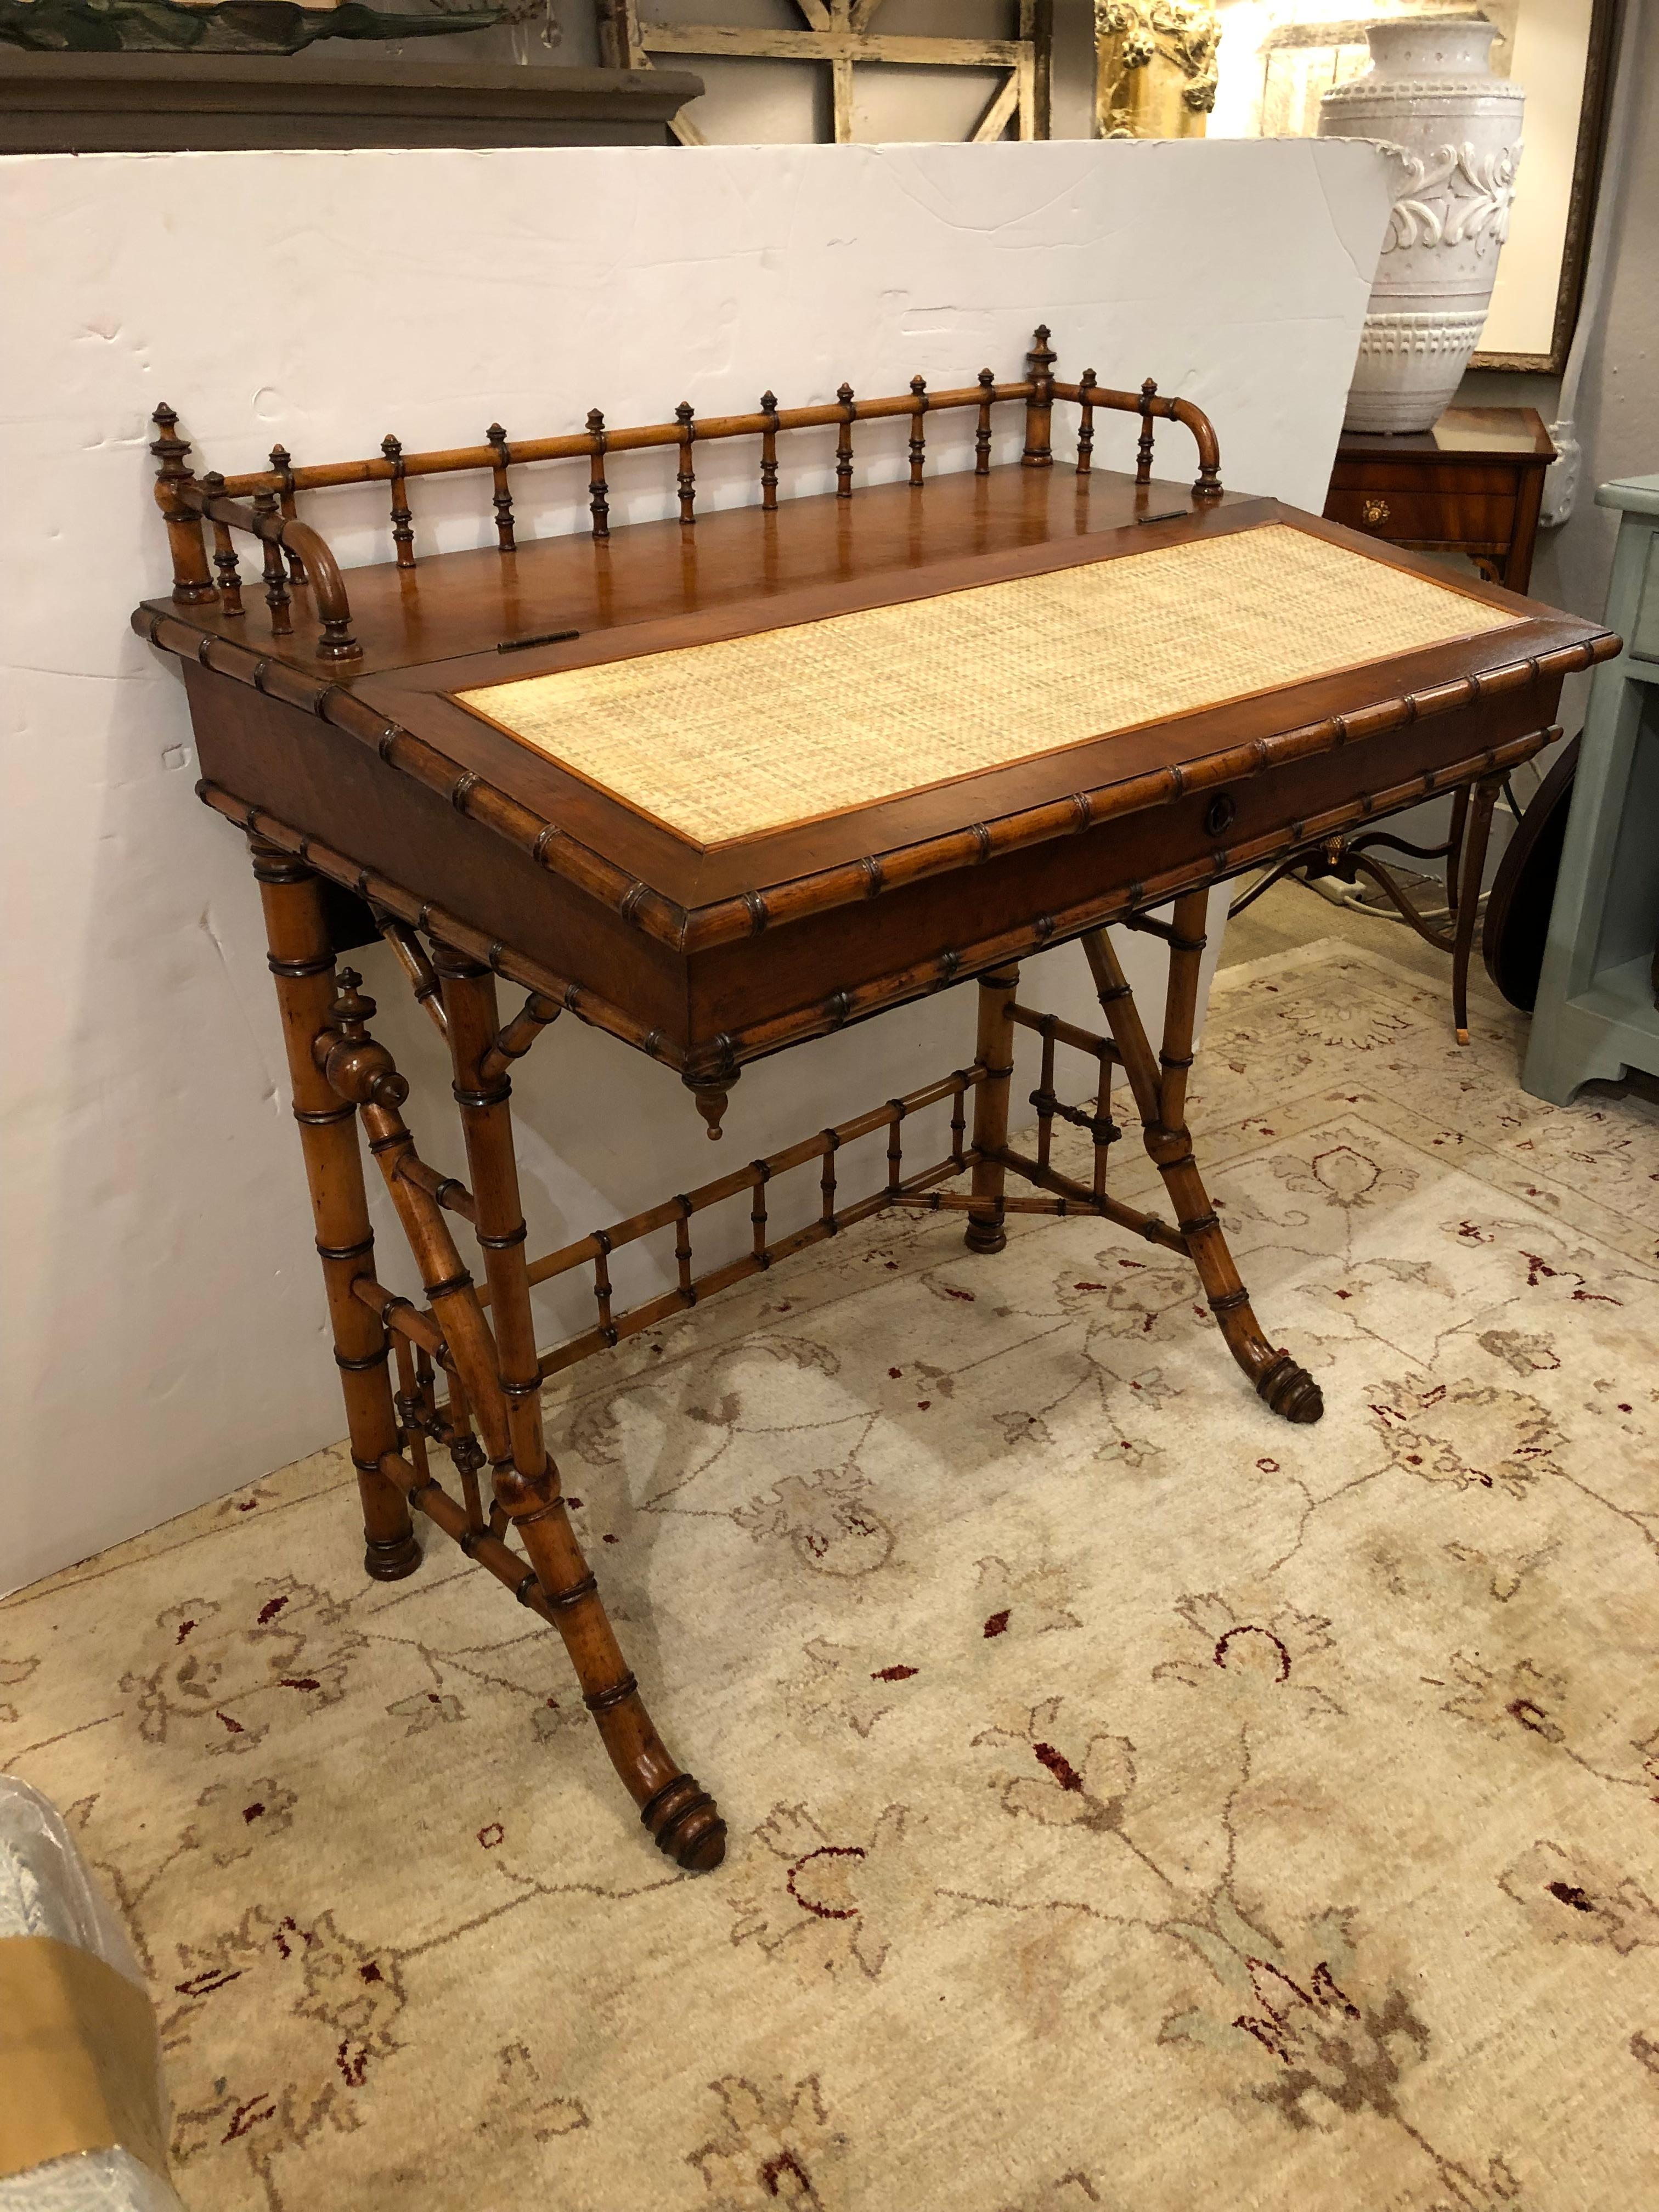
1375	511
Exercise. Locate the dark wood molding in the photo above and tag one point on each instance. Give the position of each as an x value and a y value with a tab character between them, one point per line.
1587	150
136	103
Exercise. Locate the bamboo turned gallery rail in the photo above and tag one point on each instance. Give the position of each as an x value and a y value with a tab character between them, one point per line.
295	555
1039	718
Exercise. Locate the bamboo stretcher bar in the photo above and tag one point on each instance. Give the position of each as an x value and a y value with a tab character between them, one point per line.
669	1302
429	1496
1097	1047
577	445
961	1201
752	1176
417	1324
1154	1229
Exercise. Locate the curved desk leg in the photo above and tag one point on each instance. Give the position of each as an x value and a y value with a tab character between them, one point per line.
995	1050
302	961
681	1818
1482	799
1160	1095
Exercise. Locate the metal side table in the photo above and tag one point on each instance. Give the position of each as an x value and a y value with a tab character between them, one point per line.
1595	1014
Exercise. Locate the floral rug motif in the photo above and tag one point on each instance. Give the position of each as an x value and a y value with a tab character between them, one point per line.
1135	1802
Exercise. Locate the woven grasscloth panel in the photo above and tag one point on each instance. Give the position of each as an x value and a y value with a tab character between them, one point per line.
724	740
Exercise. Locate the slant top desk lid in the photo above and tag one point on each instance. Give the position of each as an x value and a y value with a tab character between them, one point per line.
745	713
748	734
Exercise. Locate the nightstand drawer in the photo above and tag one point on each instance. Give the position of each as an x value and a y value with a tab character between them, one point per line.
1445	517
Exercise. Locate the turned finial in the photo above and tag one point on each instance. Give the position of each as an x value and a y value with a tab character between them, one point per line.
358	1068
353	1009
711	1104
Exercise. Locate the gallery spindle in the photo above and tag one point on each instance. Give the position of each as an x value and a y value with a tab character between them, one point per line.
987	392
1143	443
282	465
501	496
918	428
769	473
598	491
684	414
402	522
1085	428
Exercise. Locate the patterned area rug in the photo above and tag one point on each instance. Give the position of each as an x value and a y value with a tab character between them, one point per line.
1135	1802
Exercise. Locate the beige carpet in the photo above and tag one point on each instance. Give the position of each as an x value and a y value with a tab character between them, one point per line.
1135	1802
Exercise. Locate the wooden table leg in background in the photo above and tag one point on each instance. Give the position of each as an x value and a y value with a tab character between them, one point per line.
1482	799
1455	834
995	1053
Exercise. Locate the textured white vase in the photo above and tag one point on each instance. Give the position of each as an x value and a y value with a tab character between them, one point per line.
1454	131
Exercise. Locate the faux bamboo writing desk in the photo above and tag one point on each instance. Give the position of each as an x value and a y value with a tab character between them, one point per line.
724	782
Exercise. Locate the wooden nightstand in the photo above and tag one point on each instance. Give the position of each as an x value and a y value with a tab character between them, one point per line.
1472	484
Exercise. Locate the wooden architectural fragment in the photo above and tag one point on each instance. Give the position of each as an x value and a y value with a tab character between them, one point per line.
840	34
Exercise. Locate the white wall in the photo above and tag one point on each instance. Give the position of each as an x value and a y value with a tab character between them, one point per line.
164	1337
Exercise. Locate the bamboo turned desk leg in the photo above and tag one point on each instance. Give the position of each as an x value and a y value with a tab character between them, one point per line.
302	962
1160	1095
1482	799
995	1051
681	1816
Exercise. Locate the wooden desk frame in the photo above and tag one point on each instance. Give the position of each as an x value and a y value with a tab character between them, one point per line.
479	861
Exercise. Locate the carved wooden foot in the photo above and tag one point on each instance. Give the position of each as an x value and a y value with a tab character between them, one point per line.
1290	1391
389	1559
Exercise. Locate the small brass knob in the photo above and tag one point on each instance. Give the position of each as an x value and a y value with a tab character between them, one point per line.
1375	511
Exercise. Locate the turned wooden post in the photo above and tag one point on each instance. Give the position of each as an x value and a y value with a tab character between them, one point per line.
500	1374
1159	1087
302	962
994	1049
192	580
1040	407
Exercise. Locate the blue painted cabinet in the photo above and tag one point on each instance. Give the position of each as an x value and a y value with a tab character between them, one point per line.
1596	1015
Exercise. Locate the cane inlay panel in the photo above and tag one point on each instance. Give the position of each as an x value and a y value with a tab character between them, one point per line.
729	739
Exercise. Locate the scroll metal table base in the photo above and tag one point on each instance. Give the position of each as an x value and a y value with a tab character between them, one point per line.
1464	855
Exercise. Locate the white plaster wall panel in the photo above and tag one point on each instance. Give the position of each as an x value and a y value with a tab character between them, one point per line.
164	1336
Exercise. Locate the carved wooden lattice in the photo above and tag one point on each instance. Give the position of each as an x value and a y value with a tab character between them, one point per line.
837	34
